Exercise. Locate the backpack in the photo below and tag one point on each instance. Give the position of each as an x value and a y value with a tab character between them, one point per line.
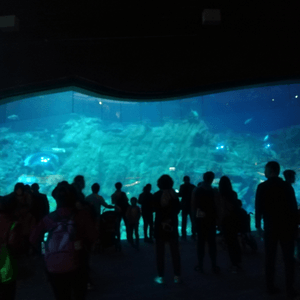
7	262
62	249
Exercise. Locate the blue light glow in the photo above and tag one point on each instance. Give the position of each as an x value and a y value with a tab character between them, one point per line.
109	140
220	146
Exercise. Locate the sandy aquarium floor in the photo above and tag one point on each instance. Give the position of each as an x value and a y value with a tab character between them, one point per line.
129	275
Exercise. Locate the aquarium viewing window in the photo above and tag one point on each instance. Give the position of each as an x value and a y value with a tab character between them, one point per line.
56	136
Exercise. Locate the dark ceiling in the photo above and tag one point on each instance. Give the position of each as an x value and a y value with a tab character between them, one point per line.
147	49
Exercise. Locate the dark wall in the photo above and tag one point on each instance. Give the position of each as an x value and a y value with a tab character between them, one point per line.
147	51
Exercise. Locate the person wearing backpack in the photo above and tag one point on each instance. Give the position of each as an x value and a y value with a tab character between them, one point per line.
70	234
9	244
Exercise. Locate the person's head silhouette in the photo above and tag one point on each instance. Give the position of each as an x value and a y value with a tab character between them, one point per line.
95	188
118	186
133	201
186	179
272	169
208	177
289	176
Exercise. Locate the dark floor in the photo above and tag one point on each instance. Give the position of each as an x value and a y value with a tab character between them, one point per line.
129	275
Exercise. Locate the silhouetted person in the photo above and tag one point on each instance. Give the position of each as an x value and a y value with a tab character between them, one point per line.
23	214
39	207
40	203
244	219
167	207
120	200
276	204
96	201
9	235
79	184
203	203
20	194
133	215
289	176
81	204
66	247
185	192
230	222
145	199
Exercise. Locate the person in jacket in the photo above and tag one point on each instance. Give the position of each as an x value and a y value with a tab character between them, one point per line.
145	199
203	203
133	215
231	223
120	200
276	204
167	207
10	242
67	269
185	192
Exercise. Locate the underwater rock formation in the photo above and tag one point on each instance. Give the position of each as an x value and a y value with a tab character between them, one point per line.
137	154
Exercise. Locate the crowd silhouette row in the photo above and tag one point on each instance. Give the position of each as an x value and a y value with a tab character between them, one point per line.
77	227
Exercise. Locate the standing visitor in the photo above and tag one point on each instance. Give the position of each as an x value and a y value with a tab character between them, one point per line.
231	223
203	203
71	233
185	192
120	200
276	204
146	199
167	207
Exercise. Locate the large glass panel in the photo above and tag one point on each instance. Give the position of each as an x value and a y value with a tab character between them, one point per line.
54	137
131	112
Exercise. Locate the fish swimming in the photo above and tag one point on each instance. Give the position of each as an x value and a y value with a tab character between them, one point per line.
266	137
194	113
54	150
13	117
248	121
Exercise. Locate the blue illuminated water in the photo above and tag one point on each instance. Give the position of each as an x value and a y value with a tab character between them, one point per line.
54	137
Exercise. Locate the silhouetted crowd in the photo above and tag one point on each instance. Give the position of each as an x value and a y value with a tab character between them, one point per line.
66	237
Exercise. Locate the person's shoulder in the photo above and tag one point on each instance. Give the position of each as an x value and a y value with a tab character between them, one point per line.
286	184
263	184
90	197
157	194
50	219
197	189
173	193
100	198
123	195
